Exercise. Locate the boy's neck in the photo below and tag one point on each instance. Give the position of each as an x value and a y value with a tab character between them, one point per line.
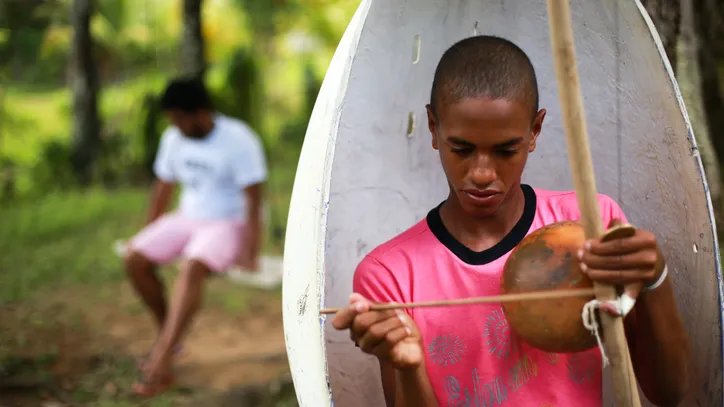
478	233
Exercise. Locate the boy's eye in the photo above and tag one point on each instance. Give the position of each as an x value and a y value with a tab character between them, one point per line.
461	150
508	152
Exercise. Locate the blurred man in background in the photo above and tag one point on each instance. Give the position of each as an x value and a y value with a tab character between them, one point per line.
220	165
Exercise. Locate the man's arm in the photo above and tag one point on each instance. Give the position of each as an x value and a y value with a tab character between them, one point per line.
402	388
161	195
389	380
254	194
250	174
165	183
659	345
407	388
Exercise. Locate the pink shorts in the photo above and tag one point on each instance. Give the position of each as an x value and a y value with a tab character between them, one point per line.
215	243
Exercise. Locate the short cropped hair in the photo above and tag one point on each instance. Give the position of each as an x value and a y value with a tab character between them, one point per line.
186	94
484	66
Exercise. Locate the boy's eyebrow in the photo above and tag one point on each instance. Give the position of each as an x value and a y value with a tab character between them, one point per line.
507	143
459	141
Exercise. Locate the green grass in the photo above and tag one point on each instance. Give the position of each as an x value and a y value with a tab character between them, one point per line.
107	382
65	239
57	261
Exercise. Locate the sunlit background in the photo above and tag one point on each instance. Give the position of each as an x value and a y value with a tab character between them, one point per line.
69	324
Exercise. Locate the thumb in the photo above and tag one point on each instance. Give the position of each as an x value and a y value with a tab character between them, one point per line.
614	222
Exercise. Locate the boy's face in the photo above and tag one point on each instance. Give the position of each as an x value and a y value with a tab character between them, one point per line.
484	145
190	123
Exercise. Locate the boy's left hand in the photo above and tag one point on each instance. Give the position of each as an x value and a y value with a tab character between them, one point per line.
248	261
623	261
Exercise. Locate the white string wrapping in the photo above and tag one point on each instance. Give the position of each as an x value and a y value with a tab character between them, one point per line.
622	305
590	322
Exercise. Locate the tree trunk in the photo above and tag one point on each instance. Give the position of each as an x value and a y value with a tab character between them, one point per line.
666	15
707	22
192	47
84	77
691	83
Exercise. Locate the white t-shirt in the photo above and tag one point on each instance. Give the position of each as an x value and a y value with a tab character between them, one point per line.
212	171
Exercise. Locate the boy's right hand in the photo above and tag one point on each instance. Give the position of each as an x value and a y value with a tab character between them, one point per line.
390	335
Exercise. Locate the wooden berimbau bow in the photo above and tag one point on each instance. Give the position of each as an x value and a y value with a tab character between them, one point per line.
579	153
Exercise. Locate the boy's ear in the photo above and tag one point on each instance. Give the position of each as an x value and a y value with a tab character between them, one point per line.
536	129
432	125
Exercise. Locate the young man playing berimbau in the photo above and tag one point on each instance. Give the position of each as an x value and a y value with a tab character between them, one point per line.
484	119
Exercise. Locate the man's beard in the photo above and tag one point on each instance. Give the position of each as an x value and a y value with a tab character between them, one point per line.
196	133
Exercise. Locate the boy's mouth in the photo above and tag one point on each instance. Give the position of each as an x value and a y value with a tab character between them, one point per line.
481	193
482	196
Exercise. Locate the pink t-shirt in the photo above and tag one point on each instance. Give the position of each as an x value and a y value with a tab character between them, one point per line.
473	359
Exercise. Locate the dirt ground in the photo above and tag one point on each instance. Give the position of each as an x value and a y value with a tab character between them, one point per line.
79	348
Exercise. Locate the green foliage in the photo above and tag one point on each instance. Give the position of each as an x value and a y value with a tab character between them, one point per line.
53	171
151	130
294	132
243	93
56	238
136	46
113	12
26	25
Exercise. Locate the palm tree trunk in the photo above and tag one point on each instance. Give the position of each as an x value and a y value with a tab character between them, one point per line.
84	77
192	47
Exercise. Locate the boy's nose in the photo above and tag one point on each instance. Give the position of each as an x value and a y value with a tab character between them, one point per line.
482	174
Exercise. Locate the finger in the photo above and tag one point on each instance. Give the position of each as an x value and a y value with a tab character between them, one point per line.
639	242
357	304
366	320
620	277
343	318
393	337
638	260
377	333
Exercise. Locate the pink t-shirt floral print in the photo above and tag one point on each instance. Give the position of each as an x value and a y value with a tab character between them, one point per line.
472	357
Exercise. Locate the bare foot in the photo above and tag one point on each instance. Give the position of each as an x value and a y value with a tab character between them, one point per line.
141	361
157	376
151	387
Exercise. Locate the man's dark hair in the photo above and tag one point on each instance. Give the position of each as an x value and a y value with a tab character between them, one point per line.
186	94
484	66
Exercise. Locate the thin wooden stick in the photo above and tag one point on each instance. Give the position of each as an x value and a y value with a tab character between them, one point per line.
574	121
537	295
